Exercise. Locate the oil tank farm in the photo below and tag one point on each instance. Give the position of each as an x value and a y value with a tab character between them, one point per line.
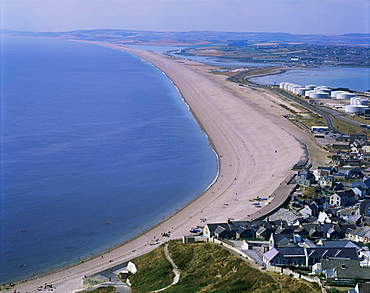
356	105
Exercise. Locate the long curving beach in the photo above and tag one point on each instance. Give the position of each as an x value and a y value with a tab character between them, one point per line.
256	149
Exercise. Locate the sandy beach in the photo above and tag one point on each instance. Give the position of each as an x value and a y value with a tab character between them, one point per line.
256	150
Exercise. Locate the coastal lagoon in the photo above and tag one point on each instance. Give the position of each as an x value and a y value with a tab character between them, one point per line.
355	79
97	147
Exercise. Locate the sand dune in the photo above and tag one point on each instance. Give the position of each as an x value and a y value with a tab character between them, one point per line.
244	136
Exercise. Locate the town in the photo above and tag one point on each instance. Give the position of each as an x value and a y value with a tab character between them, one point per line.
322	232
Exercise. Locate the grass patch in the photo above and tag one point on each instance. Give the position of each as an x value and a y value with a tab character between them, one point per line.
153	272
206	267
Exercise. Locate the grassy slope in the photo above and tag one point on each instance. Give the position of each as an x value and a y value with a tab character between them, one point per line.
154	272
206	267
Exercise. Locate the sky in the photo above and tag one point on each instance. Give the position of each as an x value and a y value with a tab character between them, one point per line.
288	16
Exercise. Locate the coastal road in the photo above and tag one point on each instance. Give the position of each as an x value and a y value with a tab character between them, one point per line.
326	113
328	120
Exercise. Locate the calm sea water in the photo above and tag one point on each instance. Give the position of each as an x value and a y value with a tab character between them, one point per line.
96	147
356	79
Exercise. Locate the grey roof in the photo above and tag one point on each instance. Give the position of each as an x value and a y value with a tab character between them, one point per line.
345	268
337	244
350	252
361	232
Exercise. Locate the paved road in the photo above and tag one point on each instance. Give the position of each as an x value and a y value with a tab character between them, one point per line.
324	112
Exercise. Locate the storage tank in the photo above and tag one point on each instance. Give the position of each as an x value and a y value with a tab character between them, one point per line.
310	86
357	101
301	91
345	95
282	84
319	95
334	94
295	88
326	90
309	93
352	108
363	102
291	86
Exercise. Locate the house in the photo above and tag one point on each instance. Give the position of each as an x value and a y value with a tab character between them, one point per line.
285	256
342	174
326	181
305	177
310	210
364	208
245	232
362	288
343	198
342	269
303	256
210	229
230	229
364	184
242	229
360	191
324	171
264	232
357	136
359	234
356	173
250	244
342	243
280	240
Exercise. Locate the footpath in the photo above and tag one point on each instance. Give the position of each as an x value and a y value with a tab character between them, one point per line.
175	269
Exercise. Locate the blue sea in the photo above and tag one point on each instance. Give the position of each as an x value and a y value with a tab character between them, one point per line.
96	147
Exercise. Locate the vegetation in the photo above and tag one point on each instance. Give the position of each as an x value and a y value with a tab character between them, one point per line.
154	272
206	267
332	290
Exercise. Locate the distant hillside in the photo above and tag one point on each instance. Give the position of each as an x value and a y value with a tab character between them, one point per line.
200	38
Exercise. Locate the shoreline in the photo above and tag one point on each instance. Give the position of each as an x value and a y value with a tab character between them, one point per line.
229	143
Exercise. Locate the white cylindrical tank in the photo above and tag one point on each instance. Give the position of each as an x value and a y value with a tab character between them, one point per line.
352	108
319	95
357	101
345	95
295	88
334	94
308	93
301	91
282	84
291	86
310	86
363	102
326	90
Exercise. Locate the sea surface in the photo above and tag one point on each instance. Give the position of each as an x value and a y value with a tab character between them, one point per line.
353	78
96	147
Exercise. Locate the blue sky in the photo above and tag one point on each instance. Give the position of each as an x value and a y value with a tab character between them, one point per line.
291	16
